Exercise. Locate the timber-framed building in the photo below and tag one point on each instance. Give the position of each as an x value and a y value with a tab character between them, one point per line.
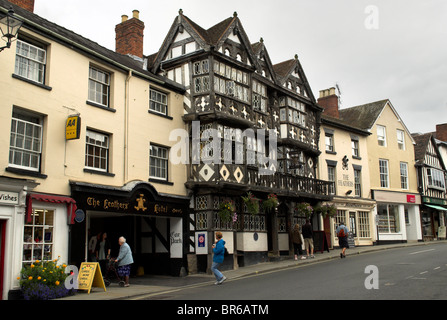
256	110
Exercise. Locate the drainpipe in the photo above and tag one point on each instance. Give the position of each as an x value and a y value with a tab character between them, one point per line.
126	127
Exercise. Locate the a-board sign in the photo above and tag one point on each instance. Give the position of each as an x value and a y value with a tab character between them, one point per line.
320	241
90	276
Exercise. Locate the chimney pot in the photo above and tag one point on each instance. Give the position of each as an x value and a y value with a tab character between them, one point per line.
136	14
129	35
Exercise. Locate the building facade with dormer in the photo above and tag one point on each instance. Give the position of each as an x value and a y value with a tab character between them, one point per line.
267	120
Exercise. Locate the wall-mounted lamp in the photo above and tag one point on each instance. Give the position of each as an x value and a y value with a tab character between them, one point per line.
9	27
348	192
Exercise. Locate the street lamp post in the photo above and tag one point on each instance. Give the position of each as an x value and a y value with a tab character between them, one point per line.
9	27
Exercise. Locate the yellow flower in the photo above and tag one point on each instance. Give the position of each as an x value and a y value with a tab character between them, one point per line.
37	261
30	278
57	267
56	283
38	278
32	266
44	280
64	265
18	278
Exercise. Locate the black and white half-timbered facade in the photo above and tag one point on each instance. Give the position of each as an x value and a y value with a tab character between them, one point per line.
253	128
431	173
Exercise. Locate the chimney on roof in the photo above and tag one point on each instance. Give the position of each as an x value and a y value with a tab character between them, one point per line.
129	35
25	4
441	132
329	101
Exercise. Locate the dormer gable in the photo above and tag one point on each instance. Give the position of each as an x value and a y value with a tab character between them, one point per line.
291	76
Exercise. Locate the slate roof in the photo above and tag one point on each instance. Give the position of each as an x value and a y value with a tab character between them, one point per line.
363	116
69	38
421	145
325	119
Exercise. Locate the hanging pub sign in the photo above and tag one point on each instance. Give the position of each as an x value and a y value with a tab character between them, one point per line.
73	128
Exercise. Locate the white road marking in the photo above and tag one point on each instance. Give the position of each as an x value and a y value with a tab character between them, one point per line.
422	251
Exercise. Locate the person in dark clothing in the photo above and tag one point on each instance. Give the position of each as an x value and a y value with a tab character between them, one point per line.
308	239
103	252
297	242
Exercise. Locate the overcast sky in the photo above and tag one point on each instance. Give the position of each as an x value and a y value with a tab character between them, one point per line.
373	50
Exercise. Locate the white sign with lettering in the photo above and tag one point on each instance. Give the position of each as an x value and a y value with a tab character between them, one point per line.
11	198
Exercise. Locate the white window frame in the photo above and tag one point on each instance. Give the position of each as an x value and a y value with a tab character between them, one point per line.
329	142
30	62
39	246
23	144
355	148
435	178
404	175
99	145
99	88
400	139
381	136
158	102
158	163
384	173
357	182
331	176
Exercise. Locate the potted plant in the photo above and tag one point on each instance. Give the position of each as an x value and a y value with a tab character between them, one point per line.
44	280
271	202
252	203
227	211
304	209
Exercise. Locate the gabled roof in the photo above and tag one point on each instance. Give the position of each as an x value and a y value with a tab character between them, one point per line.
260	51
420	149
366	115
213	37
71	39
363	116
285	69
422	141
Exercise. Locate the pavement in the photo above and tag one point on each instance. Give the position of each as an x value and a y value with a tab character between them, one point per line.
152	285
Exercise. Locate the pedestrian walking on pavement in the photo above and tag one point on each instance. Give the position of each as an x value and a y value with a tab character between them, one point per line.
218	258
124	260
308	239
342	234
297	242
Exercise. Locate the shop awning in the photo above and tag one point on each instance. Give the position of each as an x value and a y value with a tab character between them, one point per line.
71	204
436	207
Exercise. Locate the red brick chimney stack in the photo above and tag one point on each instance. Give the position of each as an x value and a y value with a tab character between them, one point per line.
129	35
25	4
329	101
441	132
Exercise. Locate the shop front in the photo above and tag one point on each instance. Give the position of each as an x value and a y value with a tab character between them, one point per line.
152	223
357	214
433	218
397	216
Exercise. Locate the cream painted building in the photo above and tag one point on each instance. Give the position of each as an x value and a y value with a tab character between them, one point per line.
391	163
344	160
114	176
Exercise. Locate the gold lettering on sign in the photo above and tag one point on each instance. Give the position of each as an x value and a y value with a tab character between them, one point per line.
141	202
160	209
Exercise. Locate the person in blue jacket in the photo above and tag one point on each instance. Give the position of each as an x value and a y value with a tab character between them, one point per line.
218	258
